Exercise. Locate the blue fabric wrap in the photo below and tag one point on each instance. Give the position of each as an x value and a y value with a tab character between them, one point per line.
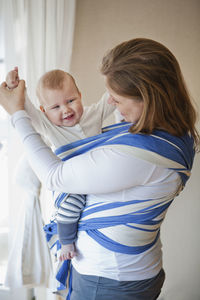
140	217
177	149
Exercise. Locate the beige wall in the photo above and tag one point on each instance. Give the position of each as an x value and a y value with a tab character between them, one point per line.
101	24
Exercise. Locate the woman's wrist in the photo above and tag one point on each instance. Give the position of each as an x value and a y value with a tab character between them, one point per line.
13	110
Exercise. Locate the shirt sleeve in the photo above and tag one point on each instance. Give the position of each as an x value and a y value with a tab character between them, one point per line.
35	114
98	171
38	120
103	108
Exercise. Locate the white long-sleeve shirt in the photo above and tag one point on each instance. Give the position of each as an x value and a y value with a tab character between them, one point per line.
104	175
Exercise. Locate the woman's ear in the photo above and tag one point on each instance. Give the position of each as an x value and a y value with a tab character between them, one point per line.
42	108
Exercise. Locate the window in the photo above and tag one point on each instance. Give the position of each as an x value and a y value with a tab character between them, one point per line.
3	174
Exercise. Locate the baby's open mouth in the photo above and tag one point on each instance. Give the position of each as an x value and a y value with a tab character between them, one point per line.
69	117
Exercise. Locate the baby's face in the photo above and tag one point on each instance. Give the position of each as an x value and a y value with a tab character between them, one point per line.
63	107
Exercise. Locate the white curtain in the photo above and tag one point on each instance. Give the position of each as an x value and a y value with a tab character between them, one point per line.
29	261
38	36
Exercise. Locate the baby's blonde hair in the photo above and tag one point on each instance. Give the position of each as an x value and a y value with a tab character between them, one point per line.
54	80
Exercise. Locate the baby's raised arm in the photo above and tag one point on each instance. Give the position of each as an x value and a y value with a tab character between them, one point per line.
12	82
12	78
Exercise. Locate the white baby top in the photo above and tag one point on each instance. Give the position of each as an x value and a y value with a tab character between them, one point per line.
90	123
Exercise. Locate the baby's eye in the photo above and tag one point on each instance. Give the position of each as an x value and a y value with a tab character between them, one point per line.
70	101
55	107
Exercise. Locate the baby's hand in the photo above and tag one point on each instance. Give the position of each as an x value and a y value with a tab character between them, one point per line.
67	252
12	78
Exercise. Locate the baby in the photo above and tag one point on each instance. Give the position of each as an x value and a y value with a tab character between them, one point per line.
62	119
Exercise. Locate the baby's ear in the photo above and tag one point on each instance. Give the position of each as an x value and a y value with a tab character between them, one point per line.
42	108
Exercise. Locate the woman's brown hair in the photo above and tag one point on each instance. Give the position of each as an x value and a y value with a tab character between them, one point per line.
145	68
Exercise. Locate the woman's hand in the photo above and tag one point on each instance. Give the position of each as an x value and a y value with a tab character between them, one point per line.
12	100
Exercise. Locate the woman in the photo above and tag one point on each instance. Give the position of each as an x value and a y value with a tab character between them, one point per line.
130	174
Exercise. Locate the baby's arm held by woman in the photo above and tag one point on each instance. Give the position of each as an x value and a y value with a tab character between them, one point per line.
12	78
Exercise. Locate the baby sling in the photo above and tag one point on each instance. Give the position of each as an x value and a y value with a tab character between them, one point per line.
160	148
